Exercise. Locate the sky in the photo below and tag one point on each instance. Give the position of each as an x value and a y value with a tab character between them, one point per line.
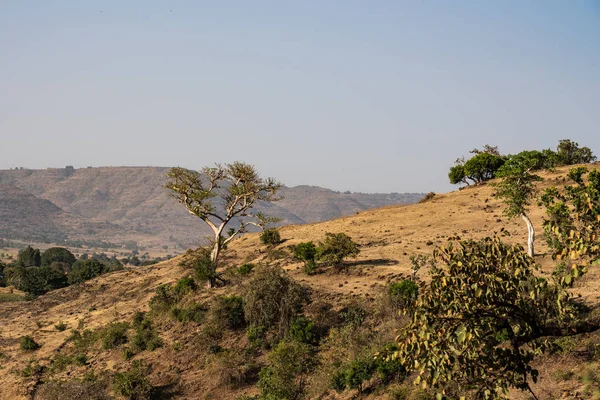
366	96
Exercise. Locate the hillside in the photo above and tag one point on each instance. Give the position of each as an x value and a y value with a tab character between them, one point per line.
387	236
133	200
183	369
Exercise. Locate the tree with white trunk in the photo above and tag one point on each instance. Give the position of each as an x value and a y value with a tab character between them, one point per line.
220	195
517	189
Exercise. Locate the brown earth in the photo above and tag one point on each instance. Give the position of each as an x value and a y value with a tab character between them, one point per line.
388	237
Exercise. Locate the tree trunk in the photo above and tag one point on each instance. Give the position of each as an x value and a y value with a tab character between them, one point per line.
531	235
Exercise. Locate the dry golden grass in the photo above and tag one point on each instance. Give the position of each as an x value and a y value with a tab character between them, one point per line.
388	236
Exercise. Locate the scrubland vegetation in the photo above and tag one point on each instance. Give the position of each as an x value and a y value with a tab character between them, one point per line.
474	318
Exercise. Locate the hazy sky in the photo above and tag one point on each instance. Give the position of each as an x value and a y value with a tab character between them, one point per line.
372	96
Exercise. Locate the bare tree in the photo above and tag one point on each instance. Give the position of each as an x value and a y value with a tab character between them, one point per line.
221	194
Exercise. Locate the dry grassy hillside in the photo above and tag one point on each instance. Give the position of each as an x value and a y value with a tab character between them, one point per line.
387	236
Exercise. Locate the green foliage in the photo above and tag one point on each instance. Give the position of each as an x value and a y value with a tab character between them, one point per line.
303	330
83	270
483	167
479	168
306	252
29	257
354	375
237	186
84	340
270	237
245	269
476	290
184	286
516	190
163	299
457	174
282	378
28	344
204	267
194	313
256	334
134	383
403	293
61	326
272	299
529	160
569	153
145	337
57	254
114	334
572	225
335	248
230	311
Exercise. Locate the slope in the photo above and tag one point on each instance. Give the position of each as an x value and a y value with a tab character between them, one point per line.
387	236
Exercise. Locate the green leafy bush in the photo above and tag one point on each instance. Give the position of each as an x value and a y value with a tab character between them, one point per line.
272	299
184	286
353	375
403	293
114	334
28	344
194	313
335	248
145	337
61	326
134	383
83	270
245	269
229	310
306	252
304	330
270	237
282	378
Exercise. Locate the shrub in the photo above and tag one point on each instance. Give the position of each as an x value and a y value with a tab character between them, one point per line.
229	311
353	375
304	330
194	313
163	299
33	368
83	270
233	368
114	334
403	293
335	248
61	326
84	340
256	334
245	269
28	344
282	378
134	383
272	300
146	337
429	196
184	286
306	252
270	237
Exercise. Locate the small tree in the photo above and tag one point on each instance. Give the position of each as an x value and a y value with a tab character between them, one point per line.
482	318
57	254
572	225
237	186
335	248
569	153
479	168
29	257
517	189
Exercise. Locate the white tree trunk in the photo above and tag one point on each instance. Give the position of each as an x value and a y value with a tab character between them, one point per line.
531	235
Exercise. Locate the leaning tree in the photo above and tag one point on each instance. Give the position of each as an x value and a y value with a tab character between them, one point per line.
223	194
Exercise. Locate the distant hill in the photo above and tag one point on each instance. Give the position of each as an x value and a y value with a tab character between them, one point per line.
115	204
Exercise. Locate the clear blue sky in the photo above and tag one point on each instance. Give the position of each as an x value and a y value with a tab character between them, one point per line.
373	96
